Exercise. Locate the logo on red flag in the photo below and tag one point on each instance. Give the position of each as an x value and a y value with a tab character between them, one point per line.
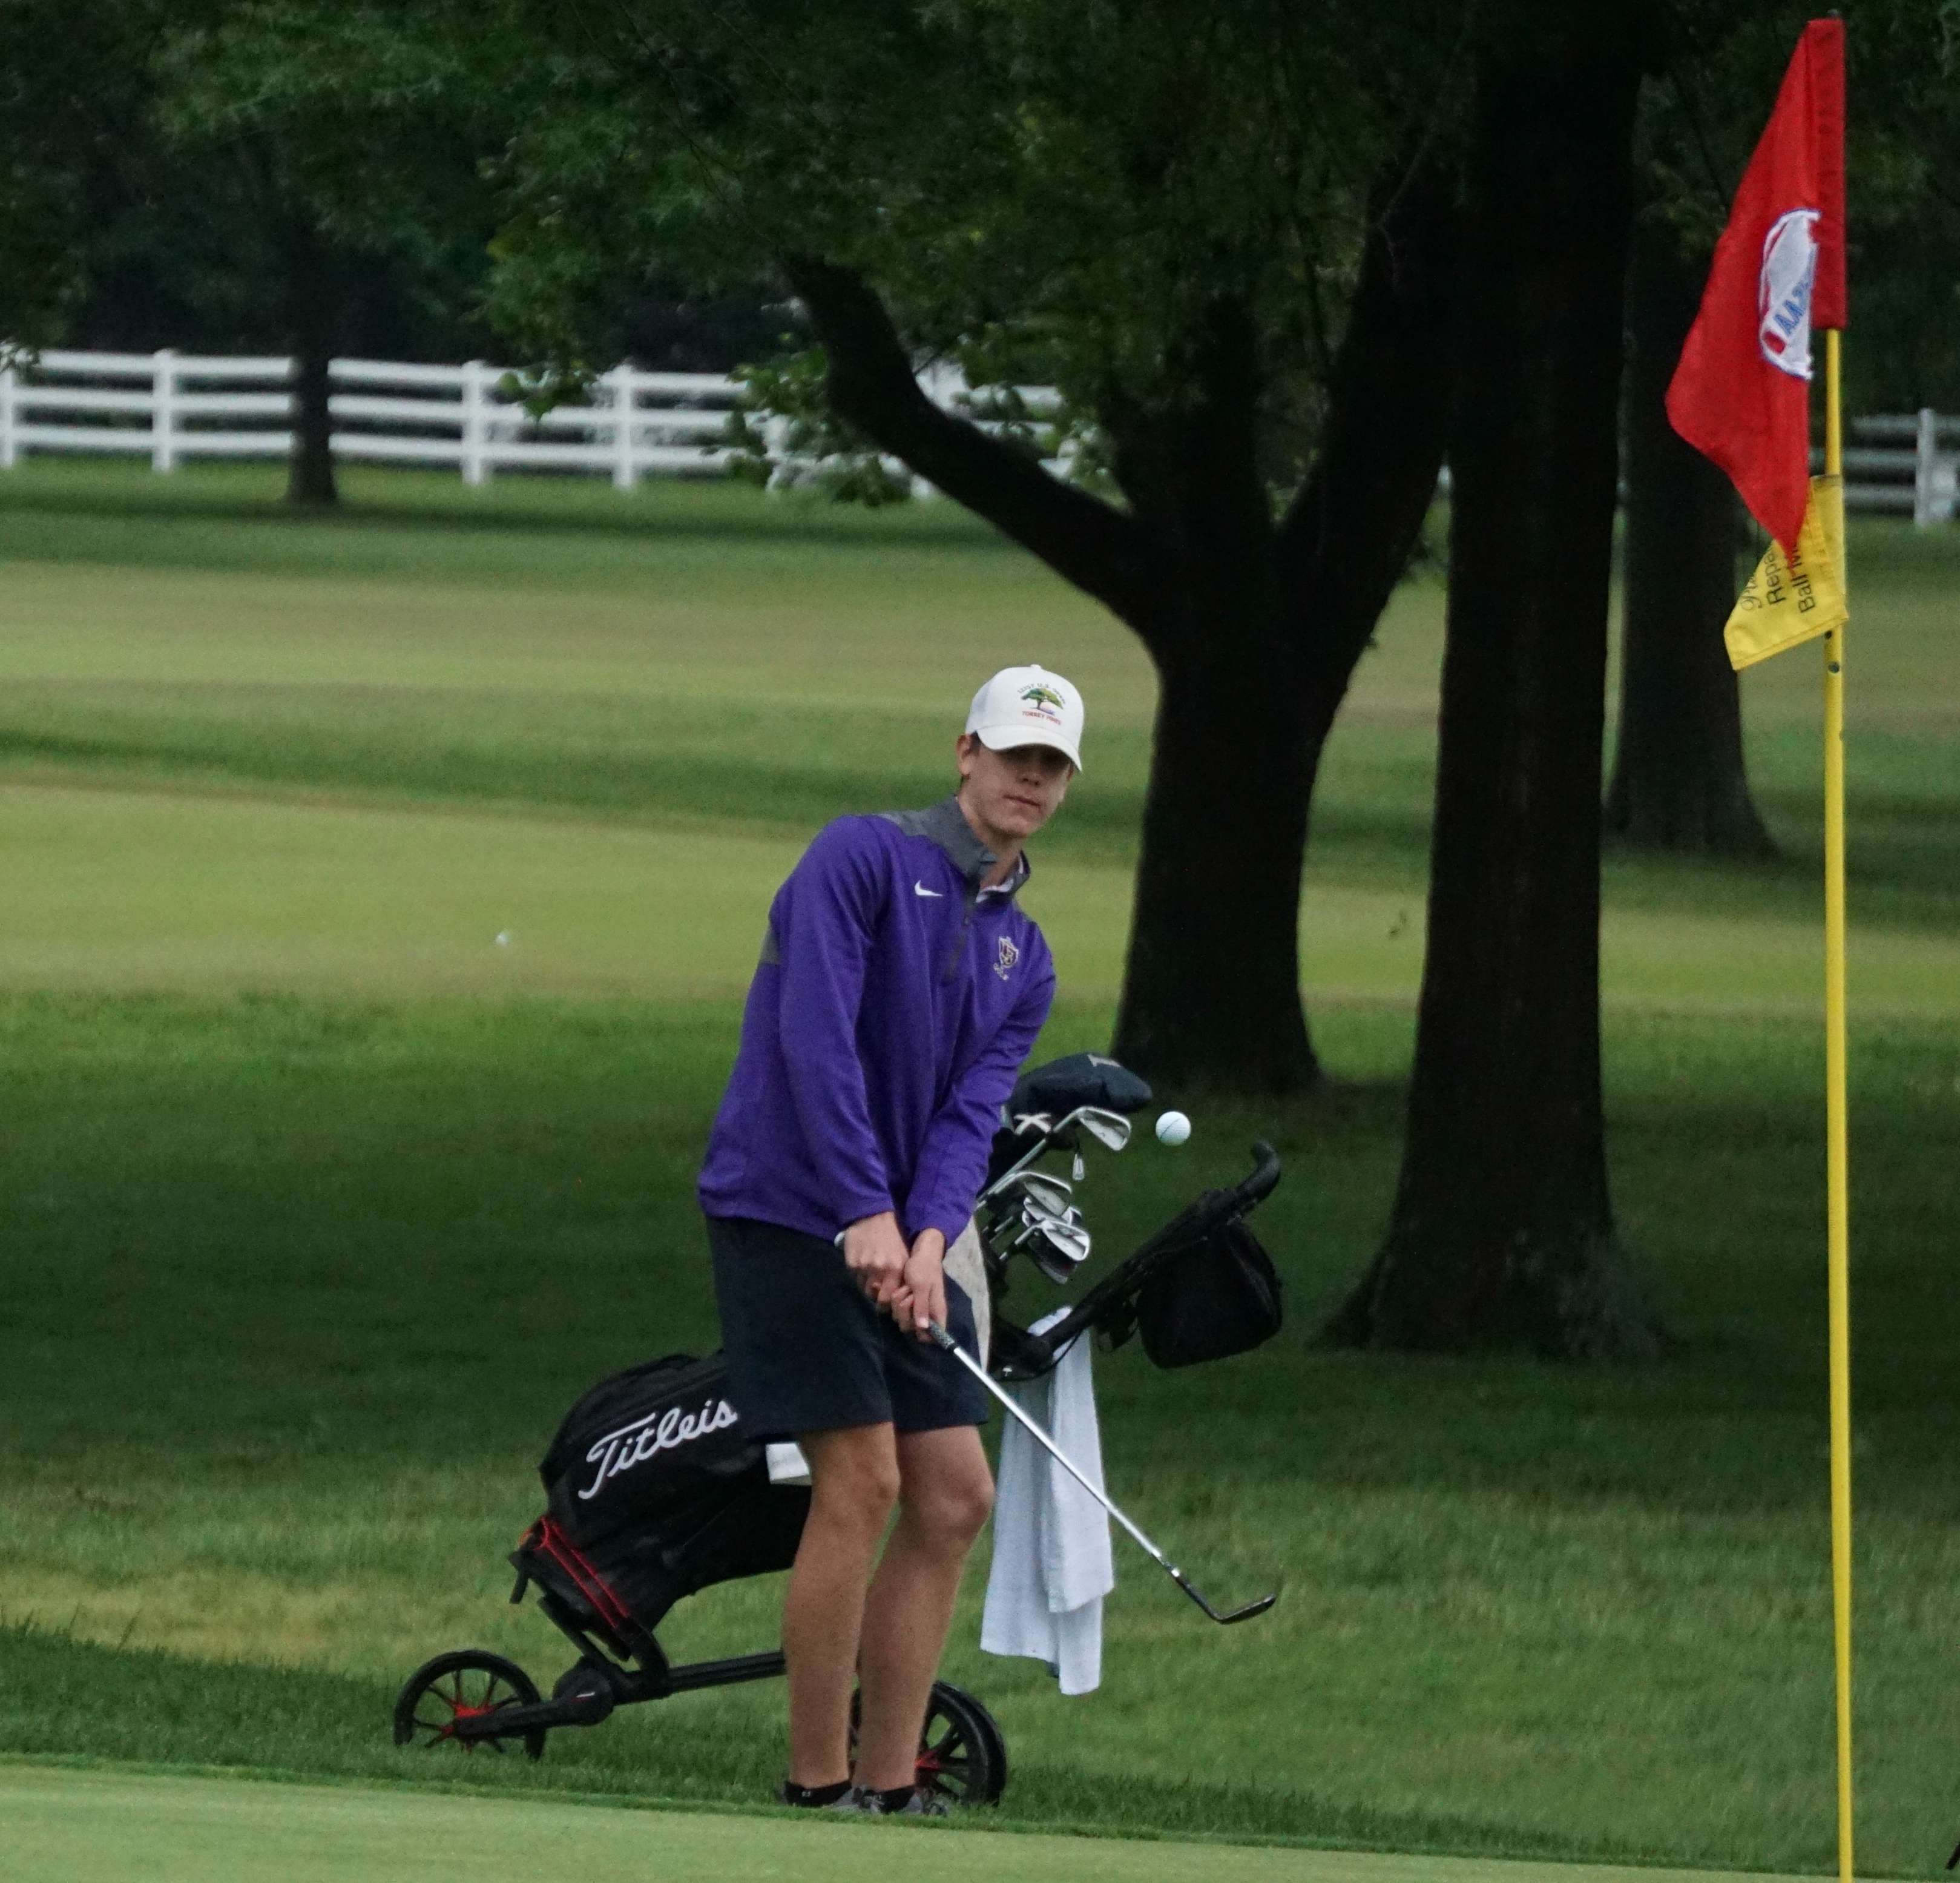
1741	394
1783	292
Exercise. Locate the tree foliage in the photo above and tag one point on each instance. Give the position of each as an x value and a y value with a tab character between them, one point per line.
1041	188
1222	233
265	152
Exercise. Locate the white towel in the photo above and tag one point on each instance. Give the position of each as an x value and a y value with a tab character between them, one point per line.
1052	1563
787	1463
966	1265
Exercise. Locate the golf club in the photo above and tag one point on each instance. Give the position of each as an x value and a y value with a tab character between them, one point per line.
1060	1246
1110	1129
941	1338
1033	1190
1052	1194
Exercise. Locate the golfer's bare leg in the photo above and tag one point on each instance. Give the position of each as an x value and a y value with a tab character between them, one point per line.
855	1479
945	1492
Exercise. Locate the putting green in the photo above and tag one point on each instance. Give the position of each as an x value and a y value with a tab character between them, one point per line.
90	1827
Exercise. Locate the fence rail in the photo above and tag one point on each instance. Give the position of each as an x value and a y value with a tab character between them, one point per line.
1902	463
175	406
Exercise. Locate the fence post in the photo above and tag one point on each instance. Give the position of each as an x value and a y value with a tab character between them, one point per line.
776	449
9	452
1925	460
163	410
621	380
476	423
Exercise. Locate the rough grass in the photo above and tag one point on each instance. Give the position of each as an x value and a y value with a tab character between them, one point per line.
321	1204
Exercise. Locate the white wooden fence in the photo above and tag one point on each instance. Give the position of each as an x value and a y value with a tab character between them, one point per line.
1902	464
173	407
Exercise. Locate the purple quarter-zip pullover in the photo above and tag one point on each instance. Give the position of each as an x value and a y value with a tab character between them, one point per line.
893	1005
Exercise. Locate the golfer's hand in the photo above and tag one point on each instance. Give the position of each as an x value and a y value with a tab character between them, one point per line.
921	1294
875	1253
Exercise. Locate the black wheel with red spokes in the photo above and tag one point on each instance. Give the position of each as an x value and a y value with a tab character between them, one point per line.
469	1685
962	1756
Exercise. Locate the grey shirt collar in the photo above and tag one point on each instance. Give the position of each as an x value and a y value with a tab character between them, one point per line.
946	825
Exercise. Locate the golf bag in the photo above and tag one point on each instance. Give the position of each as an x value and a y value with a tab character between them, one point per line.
1201	1288
1213	1298
653	1490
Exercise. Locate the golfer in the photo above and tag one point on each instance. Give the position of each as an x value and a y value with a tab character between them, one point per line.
900	988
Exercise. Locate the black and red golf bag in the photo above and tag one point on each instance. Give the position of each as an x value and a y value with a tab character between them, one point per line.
655	1490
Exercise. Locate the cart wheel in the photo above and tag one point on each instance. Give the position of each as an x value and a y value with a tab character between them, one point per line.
463	1685
962	1756
996	1749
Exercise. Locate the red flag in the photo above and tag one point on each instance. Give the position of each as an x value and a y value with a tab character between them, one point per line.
1741	394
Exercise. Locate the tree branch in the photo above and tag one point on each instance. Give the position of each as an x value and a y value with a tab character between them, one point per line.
1098	549
1346	539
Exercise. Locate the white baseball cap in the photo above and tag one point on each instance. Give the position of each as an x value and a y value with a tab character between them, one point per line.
1028	705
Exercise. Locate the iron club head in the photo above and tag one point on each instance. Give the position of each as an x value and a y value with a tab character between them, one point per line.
1231	1615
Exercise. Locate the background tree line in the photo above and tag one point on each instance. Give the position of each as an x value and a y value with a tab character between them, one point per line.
1281	261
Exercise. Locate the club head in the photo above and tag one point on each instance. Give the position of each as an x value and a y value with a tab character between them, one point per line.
1231	1615
1060	1248
1051	1196
1110	1129
1037	1132
1246	1613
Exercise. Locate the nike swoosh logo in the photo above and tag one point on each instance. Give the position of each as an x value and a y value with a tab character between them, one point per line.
919	889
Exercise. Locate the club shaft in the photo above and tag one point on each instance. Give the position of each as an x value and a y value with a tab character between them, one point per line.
1055	1451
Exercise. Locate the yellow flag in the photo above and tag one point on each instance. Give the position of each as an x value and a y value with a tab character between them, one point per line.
1793	599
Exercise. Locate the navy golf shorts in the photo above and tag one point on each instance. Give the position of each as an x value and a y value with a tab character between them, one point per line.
807	1352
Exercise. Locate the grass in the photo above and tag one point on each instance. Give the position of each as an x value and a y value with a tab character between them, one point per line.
84	1826
322	1204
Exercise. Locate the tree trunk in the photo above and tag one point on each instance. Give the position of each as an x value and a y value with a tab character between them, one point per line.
1211	987
1678	780
316	295
1252	674
1502	1233
1254	629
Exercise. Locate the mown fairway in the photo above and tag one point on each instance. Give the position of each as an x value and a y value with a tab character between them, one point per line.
322	1202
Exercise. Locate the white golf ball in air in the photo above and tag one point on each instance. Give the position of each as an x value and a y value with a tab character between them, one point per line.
1173	1128
503	939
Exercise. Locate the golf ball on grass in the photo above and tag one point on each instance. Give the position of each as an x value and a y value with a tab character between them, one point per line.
1173	1128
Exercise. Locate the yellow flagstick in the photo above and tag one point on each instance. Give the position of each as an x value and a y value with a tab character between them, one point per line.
1837	1158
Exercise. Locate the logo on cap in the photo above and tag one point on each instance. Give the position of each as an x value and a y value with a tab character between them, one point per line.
1043	703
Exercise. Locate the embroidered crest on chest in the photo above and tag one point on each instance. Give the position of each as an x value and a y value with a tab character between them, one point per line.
1004	960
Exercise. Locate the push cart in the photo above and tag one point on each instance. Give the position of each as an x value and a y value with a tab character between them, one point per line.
654	1491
